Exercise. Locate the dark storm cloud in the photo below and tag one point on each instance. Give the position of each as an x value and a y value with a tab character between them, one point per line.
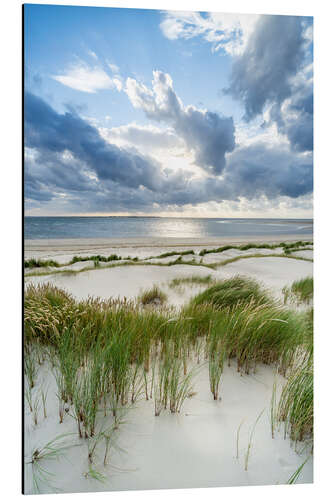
296	119
61	170
50	178
51	132
209	135
271	171
35	190
251	172
274	54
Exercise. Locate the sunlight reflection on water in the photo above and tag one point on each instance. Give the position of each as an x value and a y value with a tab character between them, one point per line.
155	227
181	228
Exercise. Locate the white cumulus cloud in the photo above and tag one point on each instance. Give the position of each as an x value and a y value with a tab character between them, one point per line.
146	137
228	32
82	77
209	136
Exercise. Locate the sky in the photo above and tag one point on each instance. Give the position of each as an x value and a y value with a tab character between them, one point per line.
148	112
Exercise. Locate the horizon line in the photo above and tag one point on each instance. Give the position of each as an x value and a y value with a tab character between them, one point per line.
172	217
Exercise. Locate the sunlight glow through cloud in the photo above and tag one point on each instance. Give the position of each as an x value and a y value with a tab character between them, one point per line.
216	117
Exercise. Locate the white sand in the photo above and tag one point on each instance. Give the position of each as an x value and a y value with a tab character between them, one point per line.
124	281
308	254
128	281
273	272
196	448
63	250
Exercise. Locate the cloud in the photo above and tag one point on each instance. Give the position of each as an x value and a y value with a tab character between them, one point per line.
294	118
227	32
208	135
264	73
69	166
144	136
34	189
50	132
252	172
275	171
93	54
114	68
82	77
270	55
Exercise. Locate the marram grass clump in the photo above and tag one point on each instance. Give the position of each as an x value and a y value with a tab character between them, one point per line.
153	296
191	280
108	355
47	311
170	254
32	263
254	334
94	258
249	246
295	407
233	291
301	291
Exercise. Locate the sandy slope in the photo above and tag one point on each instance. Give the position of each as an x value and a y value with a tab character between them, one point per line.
198	446
63	249
128	281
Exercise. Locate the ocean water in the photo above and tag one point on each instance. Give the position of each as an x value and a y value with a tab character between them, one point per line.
172	227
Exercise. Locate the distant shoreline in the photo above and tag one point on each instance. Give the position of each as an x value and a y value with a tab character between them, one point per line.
90	243
288	219
138	228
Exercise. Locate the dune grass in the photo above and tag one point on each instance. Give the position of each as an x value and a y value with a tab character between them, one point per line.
52	450
108	355
153	296
297	248
191	280
30	369
31	263
170	254
255	256
172	386
98	258
250	443
231	292
43	393
132	262
237	437
254	328
296	403
28	397
35	409
260	334
36	263
288	248
294	477
217	353
249	246
175	262
114	258
301	291
95	474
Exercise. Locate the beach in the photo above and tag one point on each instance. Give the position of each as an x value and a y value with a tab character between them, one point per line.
223	442
64	249
128	281
168	254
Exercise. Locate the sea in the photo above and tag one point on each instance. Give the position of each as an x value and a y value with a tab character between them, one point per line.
171	227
